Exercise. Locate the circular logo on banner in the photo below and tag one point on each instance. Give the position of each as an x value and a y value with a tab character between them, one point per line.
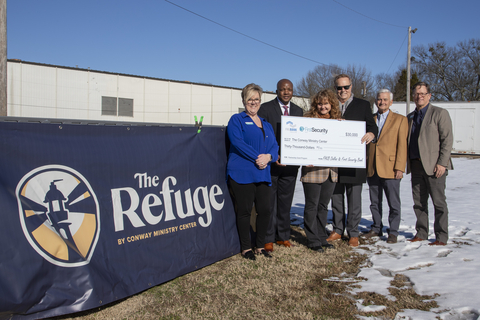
59	214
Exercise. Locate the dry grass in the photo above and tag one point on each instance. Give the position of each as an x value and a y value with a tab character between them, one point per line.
296	284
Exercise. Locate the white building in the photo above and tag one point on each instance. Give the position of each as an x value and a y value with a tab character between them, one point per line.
48	91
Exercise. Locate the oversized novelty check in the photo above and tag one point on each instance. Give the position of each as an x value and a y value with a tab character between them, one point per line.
322	142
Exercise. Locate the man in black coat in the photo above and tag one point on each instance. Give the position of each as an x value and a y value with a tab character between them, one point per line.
350	179
283	176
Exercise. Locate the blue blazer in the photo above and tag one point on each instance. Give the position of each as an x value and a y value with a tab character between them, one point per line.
247	142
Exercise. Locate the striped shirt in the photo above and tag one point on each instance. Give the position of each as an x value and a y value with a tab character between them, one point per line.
381	117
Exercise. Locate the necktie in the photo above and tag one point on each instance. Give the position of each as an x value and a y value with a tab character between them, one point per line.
286	111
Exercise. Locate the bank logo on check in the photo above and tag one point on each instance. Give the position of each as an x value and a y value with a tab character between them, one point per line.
314	130
290	126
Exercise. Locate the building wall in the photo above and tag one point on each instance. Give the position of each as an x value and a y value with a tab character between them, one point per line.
45	91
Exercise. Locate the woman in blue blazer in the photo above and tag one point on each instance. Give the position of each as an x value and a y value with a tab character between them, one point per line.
252	148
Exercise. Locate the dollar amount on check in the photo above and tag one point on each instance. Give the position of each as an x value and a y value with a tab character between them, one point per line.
322	142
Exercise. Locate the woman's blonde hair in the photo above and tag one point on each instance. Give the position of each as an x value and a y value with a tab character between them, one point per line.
249	89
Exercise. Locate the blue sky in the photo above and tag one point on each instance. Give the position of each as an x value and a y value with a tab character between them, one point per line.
155	38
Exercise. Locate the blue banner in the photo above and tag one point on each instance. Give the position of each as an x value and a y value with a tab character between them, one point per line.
93	214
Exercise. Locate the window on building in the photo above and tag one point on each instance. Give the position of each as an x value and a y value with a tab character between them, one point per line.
111	106
125	107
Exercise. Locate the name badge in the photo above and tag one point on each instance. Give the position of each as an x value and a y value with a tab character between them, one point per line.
248	122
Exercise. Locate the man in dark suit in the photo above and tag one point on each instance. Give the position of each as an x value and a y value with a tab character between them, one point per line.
350	179
283	176
430	141
386	162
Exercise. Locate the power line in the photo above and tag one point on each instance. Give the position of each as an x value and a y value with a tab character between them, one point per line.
397	53
245	35
286	51
393	25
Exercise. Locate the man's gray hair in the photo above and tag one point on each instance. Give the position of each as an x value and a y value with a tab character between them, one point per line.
385	91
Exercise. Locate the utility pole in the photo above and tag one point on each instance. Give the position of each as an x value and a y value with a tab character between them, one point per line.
410	31
3	58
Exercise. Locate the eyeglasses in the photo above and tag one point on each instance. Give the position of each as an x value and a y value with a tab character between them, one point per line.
253	101
420	94
339	88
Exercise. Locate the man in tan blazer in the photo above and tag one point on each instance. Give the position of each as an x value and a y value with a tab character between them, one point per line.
430	141
386	161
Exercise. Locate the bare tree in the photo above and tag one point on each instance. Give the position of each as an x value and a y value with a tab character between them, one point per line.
433	63
321	77
470	50
386	81
452	72
361	79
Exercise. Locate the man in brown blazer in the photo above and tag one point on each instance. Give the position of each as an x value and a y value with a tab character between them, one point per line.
386	161
430	141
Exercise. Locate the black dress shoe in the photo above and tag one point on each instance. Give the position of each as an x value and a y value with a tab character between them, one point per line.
327	246
371	234
319	249
249	255
265	253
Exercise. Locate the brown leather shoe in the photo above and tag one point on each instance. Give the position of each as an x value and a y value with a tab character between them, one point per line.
415	239
269	247
437	243
285	243
392	238
353	242
334	236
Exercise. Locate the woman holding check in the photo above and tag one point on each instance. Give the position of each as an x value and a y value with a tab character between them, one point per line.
319	182
252	148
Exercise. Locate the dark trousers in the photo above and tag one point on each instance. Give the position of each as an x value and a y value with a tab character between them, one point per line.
317	197
283	189
354	203
391	187
424	186
244	196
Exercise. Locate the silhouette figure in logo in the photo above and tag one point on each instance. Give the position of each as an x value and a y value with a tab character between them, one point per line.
57	215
